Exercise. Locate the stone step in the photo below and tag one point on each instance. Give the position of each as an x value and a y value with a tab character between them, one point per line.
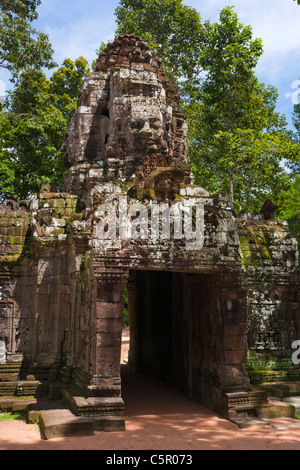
246	422
7	388
14	371
63	423
10	367
247	406
56	420
276	409
109	423
13	404
20	388
35	408
109	406
273	408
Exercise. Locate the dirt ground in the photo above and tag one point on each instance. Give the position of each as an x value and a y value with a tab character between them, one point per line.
160	418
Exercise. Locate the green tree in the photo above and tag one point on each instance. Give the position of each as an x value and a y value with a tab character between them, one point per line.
294	166
238	140
290	207
31	134
32	127
296	120
21	46
173	30
33	119
65	84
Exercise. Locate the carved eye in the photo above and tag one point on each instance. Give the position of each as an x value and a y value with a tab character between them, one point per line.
137	124
155	123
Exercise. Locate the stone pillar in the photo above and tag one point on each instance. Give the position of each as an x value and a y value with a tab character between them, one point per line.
2	352
108	335
232	374
102	398
132	315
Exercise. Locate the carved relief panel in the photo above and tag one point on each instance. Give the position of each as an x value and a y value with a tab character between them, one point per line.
9	323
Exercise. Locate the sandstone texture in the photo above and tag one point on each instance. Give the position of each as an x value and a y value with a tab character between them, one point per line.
213	300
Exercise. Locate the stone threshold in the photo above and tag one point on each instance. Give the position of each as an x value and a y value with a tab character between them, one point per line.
247	421
56	420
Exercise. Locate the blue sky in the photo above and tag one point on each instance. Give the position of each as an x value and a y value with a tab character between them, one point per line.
77	27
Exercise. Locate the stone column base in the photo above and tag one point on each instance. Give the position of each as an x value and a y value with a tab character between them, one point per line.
244	403
107	412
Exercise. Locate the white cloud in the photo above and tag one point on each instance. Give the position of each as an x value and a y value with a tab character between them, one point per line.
76	28
276	22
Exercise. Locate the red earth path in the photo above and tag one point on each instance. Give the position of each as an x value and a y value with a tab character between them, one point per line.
160	418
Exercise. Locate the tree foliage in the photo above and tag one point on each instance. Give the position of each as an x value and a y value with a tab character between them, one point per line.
32	131
238	140
33	124
65	84
294	166
173	30
290	207
21	46
34	117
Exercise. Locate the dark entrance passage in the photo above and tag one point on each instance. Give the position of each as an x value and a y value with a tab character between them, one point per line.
161	310
175	329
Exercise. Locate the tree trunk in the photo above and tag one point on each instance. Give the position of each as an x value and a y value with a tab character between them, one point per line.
231	190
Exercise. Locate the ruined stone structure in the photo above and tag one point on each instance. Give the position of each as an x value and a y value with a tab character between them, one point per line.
204	290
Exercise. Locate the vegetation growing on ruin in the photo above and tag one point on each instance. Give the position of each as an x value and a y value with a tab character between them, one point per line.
10	416
34	116
237	139
270	367
255	246
239	144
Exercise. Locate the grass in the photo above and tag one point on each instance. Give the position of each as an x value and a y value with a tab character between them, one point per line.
9	416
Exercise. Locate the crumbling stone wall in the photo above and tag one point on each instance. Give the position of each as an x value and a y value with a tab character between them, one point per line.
14	220
127	117
39	266
271	273
65	263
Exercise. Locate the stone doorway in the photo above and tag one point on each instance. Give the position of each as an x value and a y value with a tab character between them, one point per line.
176	327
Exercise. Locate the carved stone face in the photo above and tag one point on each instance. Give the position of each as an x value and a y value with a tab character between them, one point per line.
146	130
138	128
127	117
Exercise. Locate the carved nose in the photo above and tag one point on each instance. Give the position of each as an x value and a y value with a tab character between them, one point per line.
146	131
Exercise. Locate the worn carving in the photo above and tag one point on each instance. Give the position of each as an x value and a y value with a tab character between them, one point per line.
127	218
127	123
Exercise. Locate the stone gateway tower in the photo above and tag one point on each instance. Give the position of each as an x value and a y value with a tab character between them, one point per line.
210	296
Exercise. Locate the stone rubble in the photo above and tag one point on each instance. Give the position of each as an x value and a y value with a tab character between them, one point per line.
211	320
